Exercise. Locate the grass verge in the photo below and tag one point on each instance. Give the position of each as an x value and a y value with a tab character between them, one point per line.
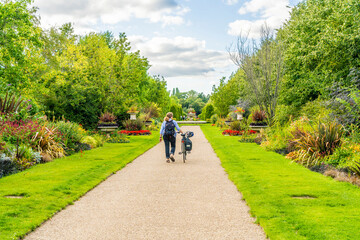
45	189
288	200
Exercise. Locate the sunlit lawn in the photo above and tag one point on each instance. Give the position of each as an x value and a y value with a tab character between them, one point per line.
47	188
288	200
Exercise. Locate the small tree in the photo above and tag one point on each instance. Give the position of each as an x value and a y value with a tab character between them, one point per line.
263	67
208	111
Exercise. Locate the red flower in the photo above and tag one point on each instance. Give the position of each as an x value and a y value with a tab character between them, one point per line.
136	133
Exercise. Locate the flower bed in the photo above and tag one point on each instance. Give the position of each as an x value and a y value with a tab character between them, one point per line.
136	133
236	133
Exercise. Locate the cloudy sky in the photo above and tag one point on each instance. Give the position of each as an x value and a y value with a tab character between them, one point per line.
184	40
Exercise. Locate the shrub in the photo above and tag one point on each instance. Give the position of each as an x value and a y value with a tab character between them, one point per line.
10	104
248	138
346	157
345	102
277	139
19	132
259	116
90	141
117	137
237	126
315	110
82	147
313	146
152	110
214	118
100	139
208	111
23	156
46	141
107	118
324	140
284	114
7	166
220	123
133	125
71	133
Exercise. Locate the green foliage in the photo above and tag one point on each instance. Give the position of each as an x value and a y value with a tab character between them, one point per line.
176	109
19	44
214	118
284	114
152	110
45	142
100	140
321	46
352	105
153	91
315	110
315	145
225	95
258	116
133	125
96	73
277	139
237	126
10	104
208	111
23	156
90	141
117	137
71	133
190	99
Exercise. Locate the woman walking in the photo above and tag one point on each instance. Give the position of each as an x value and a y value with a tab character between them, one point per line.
168	133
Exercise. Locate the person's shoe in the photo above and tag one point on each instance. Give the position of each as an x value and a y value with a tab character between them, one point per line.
168	160
172	158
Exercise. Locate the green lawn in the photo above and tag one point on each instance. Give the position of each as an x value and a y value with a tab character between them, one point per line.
269	182
48	188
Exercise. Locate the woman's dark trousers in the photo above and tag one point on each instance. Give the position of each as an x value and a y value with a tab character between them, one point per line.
169	140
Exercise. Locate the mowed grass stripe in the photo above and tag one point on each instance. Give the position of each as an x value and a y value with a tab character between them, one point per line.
288	200
48	188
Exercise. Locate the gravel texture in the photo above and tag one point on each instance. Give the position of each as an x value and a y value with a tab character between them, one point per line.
152	199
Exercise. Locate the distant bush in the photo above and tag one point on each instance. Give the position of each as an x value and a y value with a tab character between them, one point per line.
90	141
214	118
133	125
237	126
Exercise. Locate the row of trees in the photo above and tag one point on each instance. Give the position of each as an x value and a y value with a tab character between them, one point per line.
77	77
314	55
181	102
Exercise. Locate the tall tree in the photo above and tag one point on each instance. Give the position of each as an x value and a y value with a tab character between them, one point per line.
19	44
225	95
263	67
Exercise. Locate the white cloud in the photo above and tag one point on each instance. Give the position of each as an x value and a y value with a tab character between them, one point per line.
244	27
274	13
231	2
184	59
86	13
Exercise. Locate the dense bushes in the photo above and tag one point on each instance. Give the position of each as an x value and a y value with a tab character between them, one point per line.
321	47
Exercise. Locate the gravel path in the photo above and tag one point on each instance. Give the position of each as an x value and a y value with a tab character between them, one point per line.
152	199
